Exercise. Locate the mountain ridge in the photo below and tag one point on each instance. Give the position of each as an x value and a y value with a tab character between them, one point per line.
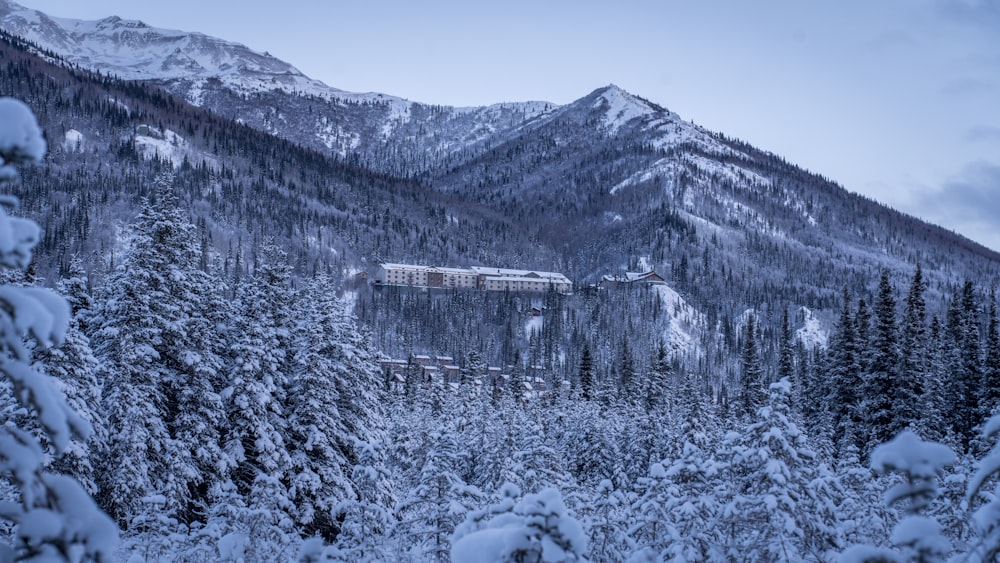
588	187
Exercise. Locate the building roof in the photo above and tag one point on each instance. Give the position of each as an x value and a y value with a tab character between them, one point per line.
503	273
526	279
390	266
506	272
629	277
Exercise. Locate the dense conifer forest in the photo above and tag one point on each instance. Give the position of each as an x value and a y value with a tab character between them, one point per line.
817	379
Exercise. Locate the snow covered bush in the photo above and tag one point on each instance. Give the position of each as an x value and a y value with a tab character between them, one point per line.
54	517
536	529
986	519
919	537
775	508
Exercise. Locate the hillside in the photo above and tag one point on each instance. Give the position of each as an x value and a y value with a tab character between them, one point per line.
204	208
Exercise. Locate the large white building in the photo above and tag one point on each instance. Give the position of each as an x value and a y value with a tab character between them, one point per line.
500	279
489	279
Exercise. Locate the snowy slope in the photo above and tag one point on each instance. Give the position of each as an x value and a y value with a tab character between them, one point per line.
134	50
263	91
685	321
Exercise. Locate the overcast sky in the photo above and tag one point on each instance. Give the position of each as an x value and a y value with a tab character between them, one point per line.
895	99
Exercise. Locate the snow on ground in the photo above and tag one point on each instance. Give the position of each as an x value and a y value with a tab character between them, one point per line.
683	318
196	93
399	114
335	138
73	141
812	333
534	324
726	171
622	107
666	167
151	143
120	104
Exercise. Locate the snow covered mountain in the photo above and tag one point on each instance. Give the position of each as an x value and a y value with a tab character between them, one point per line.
265	92
133	50
593	187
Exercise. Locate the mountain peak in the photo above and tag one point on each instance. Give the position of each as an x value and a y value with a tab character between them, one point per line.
621	107
134	50
113	22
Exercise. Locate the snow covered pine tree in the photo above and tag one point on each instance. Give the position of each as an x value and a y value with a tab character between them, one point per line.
54	517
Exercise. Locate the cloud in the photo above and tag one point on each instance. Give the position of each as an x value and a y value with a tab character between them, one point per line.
983	134
968	203
981	13
968	87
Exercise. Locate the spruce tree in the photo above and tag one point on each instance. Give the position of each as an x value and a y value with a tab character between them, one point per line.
844	376
658	382
54	519
160	370
963	359
908	393
653	531
935	420
883	376
605	518
320	468
628	383
74	368
586	374
786	350
255	435
752	383
772	509
438	502
990	391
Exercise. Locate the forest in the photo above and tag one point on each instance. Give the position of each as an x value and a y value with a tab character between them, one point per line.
190	374
243	418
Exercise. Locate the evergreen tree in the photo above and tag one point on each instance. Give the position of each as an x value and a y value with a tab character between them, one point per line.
786	350
990	391
606	520
586	374
255	436
366	521
772	511
158	369
74	368
863	330
653	531
694	472
908	389
473	369
918	463
972	368
935	421
844	374
658	381
319	472
628	384
537	528
439	501
986	518
881	383
963	360
54	518
752	383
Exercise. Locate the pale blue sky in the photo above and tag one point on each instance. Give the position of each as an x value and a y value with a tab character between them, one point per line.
895	99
